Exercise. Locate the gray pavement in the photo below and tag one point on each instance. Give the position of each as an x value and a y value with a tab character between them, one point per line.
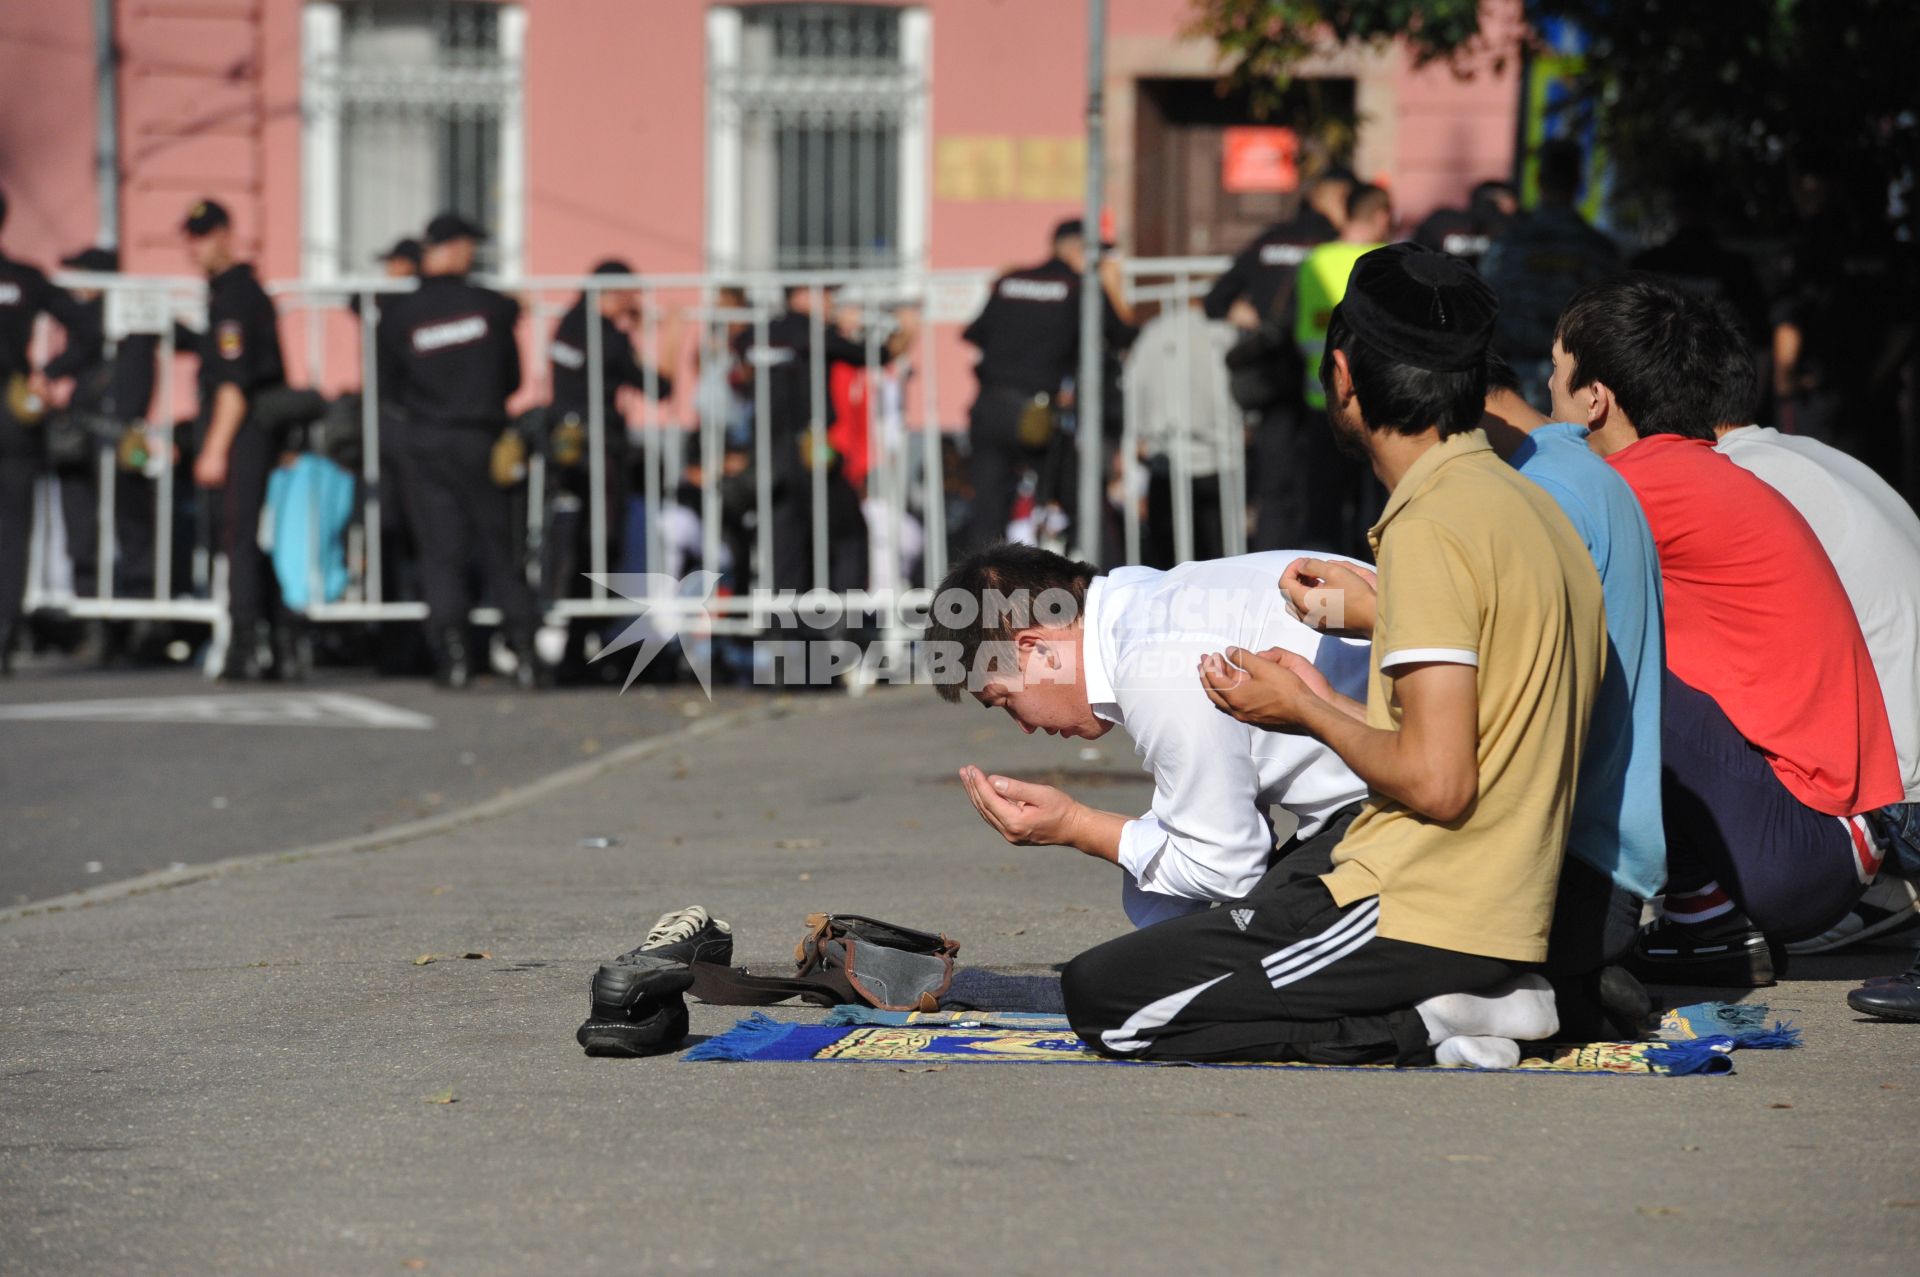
234	1076
109	775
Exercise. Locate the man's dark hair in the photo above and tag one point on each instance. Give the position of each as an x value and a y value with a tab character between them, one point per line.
1653	345
1395	396
1736	386
993	594
1560	168
1366	199
1500	373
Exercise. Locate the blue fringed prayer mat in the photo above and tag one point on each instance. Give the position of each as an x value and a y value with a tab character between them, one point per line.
1703	1039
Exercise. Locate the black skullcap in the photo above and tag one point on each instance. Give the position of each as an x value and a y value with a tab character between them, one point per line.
1420	307
615	266
447	227
1072	228
206	217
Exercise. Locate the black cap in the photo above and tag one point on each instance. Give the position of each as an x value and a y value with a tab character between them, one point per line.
1072	228
614	266
447	227
101	261
1421	307
206	217
403	250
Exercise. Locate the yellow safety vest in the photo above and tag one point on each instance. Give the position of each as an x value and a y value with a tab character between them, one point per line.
1321	284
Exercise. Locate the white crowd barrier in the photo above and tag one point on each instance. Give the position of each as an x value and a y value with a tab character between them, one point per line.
702	462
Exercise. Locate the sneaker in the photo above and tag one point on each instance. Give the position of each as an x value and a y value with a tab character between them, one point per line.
1890	998
687	935
1727	952
637	1007
1891	905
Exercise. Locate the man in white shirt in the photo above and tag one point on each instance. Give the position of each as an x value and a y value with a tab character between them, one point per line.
1873	537
1072	653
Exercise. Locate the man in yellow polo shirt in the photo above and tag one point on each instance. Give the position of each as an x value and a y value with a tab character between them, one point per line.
1489	645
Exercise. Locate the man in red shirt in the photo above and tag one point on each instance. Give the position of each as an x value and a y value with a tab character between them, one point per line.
1774	737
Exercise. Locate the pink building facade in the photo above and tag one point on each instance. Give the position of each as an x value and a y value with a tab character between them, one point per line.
683	135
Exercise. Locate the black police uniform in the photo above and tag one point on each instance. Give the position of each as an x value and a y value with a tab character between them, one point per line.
449	362
25	292
1028	335
788	359
1262	275
569	553
117	390
241	348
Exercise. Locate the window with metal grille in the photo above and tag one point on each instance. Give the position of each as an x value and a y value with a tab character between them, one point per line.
419	103
818	111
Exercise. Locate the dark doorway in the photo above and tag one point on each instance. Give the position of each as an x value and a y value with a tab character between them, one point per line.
1181	205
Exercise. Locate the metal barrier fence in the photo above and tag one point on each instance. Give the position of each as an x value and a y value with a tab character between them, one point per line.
705	469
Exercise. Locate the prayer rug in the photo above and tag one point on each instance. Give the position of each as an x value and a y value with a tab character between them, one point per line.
909	1039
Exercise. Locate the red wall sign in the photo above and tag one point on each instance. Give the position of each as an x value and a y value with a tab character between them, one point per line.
1259	159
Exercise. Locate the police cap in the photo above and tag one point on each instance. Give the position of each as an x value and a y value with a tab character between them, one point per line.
447	227
101	261
403	250
206	217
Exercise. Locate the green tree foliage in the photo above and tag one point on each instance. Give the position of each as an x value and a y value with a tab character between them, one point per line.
1747	89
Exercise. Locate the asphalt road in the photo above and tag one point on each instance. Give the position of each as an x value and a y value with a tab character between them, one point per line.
108	775
240	1075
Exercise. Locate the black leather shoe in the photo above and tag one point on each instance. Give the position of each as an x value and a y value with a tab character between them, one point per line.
638	1008
1897	998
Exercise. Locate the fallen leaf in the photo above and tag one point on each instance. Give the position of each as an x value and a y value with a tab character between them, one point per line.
1903	1203
425	958
445	1097
477	953
806	877
799	844
414	1265
1779	1106
1659	1210
1020	932
1890	1086
922	1068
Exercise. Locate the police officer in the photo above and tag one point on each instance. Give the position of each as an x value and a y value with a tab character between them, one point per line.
1028	335
449	361
797	446
1538	263
1255	294
1468	232
109	390
619	319
25	293
239	359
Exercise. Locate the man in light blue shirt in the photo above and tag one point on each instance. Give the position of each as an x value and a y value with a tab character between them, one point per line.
1617	832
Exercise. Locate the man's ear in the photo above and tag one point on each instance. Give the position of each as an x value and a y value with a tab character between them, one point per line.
1342	378
1600	404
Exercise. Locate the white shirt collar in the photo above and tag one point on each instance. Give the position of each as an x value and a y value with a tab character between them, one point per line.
1095	667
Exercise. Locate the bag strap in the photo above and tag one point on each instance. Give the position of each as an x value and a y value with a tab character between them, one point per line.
726	987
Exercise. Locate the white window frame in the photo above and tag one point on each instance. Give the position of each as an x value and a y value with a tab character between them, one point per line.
726	152
320	155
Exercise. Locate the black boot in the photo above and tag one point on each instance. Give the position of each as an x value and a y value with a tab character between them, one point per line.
451	668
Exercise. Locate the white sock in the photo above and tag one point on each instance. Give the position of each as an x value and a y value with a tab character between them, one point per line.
1478	1053
1522	1009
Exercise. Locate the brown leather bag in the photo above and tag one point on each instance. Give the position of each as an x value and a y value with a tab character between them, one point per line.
844	959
